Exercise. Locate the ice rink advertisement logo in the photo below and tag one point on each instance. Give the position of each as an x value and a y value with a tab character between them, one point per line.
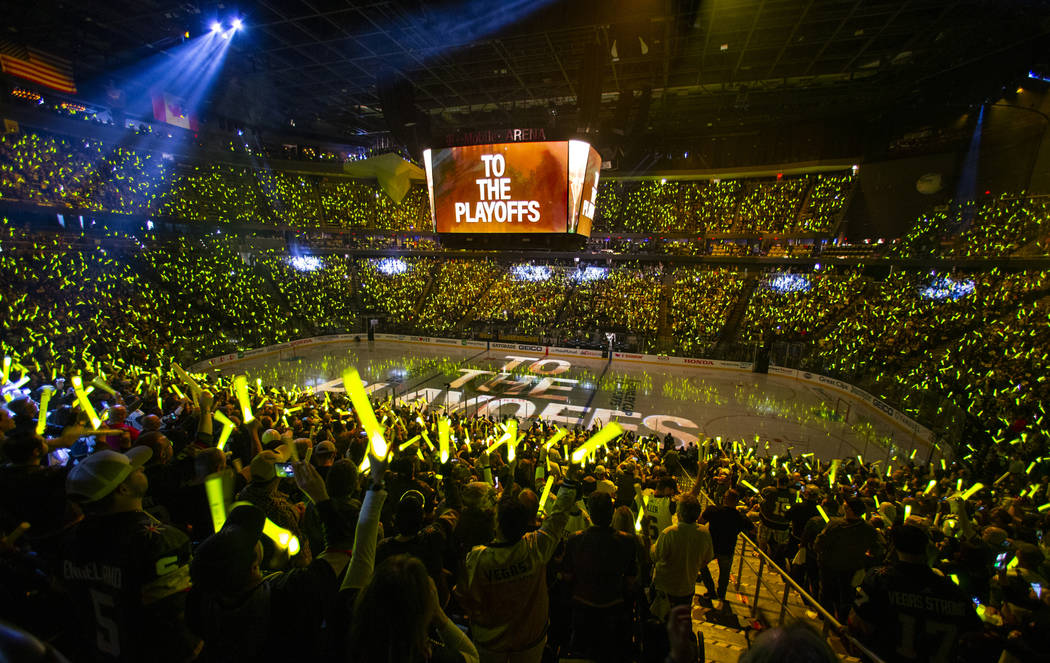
530	388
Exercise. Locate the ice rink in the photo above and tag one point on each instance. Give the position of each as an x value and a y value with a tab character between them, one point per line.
690	403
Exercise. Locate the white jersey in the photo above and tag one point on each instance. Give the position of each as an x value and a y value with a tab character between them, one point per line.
659	510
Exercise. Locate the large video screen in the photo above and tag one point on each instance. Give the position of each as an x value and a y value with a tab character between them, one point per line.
512	188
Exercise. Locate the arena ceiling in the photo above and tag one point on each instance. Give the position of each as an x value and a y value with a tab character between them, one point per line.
706	65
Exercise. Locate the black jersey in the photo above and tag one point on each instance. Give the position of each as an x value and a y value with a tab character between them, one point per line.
127	574
917	614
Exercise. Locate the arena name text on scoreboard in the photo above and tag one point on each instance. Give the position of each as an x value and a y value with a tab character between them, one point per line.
509	188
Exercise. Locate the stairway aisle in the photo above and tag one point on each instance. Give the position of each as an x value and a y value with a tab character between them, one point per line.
727	634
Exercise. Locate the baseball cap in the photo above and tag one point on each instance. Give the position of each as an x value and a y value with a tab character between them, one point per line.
223	560
262	465
408	517
100	473
325	448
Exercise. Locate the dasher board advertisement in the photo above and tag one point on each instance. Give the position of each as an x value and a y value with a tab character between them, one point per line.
513	188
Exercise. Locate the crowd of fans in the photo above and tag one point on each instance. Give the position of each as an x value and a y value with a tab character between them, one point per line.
627	301
942	347
796	306
701	303
127	544
908	340
992	227
796	205
89	174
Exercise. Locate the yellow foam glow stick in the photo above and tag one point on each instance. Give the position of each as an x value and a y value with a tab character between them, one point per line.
834	472
178	392
85	404
7	370
546	492
913	452
284	539
1043	508
512	439
41	417
972	490
258	387
607	434
227	428
555	438
213	487
907	511
641	514
746	484
240	386
104	387
185	377
356	390
876	501
443	428
1001	479
958	486
1031	466
495	445
823	515
426	438
365	464
954	578
405	445
929	486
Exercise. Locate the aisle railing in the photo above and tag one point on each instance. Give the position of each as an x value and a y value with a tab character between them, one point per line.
829	623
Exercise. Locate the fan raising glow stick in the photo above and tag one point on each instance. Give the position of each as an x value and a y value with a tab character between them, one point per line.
98	382
213	486
512	439
185	377
641	514
443	427
555	438
607	434
546	492
356	389
227	428
85	404
834	472
405	445
240	387
41	417
284	539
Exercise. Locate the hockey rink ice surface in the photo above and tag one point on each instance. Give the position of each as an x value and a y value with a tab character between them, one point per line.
690	403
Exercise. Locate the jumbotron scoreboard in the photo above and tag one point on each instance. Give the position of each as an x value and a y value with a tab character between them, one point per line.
545	187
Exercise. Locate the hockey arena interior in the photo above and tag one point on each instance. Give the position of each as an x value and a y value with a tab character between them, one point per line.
399	331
